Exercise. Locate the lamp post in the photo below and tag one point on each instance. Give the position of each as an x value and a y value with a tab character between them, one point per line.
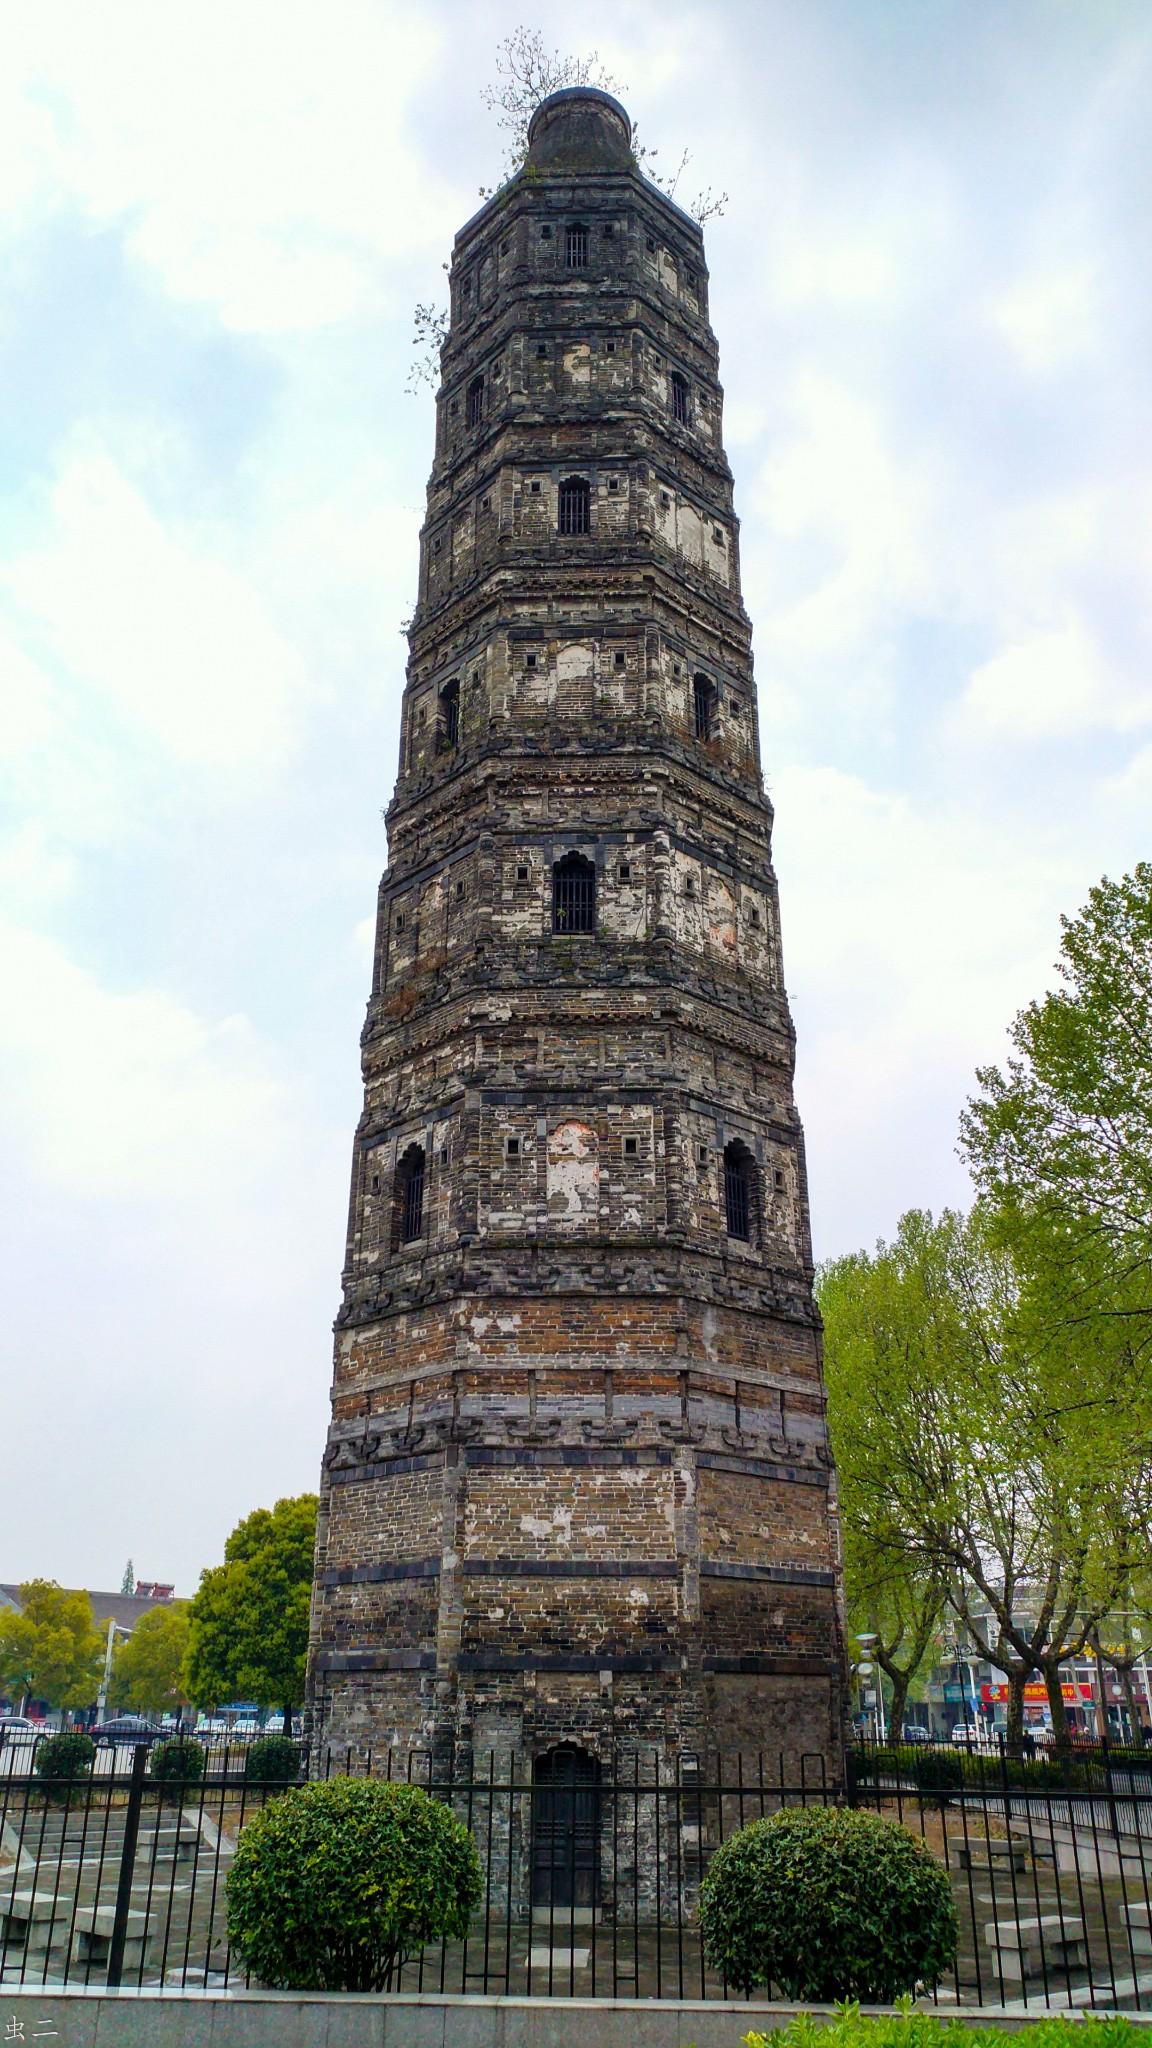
866	1641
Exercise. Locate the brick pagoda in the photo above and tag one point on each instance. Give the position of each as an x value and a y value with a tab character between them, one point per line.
577	1489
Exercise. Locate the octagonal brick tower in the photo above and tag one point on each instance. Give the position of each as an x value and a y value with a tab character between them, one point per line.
577	1487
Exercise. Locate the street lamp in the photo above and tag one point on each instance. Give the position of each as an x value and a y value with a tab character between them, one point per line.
866	1641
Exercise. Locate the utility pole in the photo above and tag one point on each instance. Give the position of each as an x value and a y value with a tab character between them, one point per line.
105	1682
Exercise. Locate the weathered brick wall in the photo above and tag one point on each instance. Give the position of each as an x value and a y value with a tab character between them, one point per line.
577	1486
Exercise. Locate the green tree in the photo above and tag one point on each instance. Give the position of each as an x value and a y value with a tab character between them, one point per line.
968	1448
249	1619
892	1595
147	1669
51	1649
1062	1141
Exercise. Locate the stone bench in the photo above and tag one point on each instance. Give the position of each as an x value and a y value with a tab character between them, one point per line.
92	1940
171	1844
993	1855
28	1918
1045	1944
1138	1916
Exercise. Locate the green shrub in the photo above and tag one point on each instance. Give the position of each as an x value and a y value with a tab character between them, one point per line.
274	1760
910	2029
828	1903
334	1885
177	1763
62	1759
935	1770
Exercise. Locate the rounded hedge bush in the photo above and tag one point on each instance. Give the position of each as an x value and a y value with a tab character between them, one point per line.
60	1759
177	1763
334	1885
828	1903
273	1760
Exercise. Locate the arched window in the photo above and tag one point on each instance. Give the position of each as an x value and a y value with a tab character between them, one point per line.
739	1191
449	729
576	246
574	505
475	401
574	894
681	399
408	1205
704	707
566	1805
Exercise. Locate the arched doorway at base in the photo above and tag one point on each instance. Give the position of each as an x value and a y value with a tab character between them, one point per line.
566	1811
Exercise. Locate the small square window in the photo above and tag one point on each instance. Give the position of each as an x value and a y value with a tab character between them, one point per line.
631	1148
620	658
504	248
522	874
535	487
701	1155
486	504
475	678
454	407
459	892
778	1177
609	348
529	661
676	668
609	231
613	483
665	499
545	234
717	536
735	706
399	920
625	871
691	276
423	714
690	885
754	914
541	348
437	545
498	368
443	1155
652	245
512	1148
375	1183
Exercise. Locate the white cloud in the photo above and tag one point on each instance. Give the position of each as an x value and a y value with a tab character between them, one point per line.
176	641
1052	319
1052	685
114	1092
255	153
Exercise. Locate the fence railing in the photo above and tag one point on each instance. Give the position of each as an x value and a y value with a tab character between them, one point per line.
592	1871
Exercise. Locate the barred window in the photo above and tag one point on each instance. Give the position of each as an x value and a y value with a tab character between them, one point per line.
574	894
576	246
574	505
475	401
449	730
738	1190
409	1202
681	402
704	707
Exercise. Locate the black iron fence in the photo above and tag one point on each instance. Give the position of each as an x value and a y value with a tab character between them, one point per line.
592	1872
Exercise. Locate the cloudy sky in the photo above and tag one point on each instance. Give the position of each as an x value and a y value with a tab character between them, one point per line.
932	292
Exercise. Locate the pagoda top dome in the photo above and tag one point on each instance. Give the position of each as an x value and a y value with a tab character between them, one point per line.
580	129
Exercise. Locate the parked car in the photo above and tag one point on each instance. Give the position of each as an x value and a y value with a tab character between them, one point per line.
125	1728
916	1734
18	1727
